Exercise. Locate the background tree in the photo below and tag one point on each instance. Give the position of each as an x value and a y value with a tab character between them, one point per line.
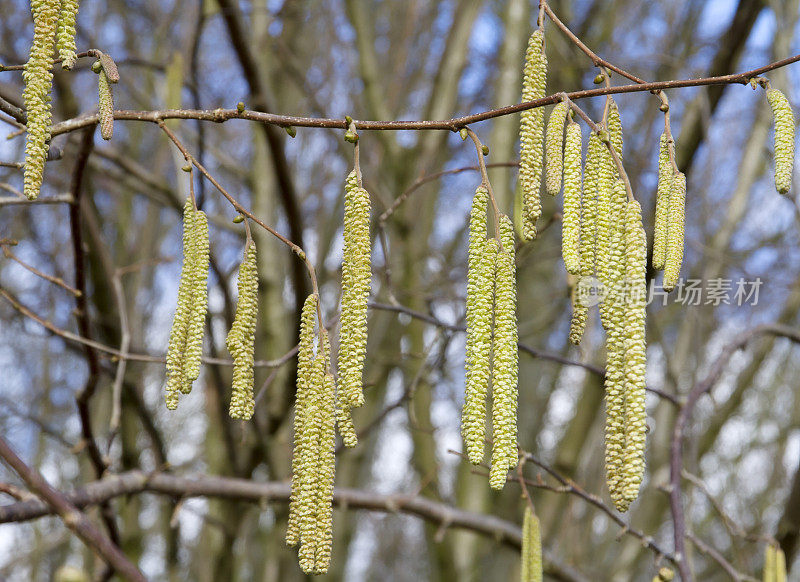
82	348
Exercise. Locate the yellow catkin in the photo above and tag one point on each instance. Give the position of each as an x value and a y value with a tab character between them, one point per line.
38	77
531	555
784	139
770	564
505	362
607	175
356	279
610	205
614	126
675	230
241	337
105	105
663	192
65	34
326	468
479	333
665	574
344	423
554	146
531	133
305	363
186	338
635	352
199	306
571	223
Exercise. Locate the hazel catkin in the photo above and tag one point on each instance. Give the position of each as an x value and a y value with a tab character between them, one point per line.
65	34
531	553
531	133
241	337
105	105
554	146
663	192
675	230
356	279
784	139
505	361
571	223
38	77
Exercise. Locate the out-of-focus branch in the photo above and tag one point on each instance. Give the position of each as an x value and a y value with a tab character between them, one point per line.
55	502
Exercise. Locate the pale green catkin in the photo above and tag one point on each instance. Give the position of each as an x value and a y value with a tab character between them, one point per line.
38	77
531	554
675	231
344	423
65	34
610	205
571	223
105	104
635	353
554	145
356	280
663	192
241	337
505	363
186	338
305	364
614	126
197	319
326	468
531	133
480	295
784	139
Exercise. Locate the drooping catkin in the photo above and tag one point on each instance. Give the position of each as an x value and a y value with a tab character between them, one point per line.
197	319
675	230
186	337
635	352
531	554
105	105
784	139
505	362
531	132
571	223
663	193
480	296
305	364
614	126
241	337
356	279
344	423
610	206
38	77
326	468
554	145
66	33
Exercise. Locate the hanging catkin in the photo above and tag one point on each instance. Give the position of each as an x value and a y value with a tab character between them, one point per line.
554	145
663	193
38	79
571	223
356	278
66	33
774	564
675	229
480	293
614	320
186	338
105	104
611	206
504	365
531	133
784	139
531	555
614	126
635	353
305	364
241	337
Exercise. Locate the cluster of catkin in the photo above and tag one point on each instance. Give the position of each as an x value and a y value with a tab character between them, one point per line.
784	139
186	339
531	554
604	247
323	405
491	357
774	564
670	215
